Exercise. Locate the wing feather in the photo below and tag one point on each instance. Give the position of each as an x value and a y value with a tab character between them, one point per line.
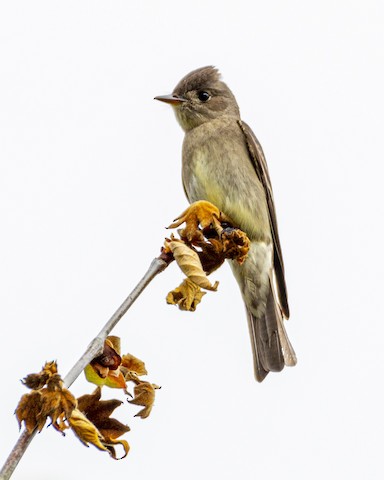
260	165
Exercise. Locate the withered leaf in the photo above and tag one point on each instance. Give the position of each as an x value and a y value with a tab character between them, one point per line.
55	403
52	401
111	442
198	213
232	244
113	378
189	263
114	342
211	255
28	410
50	407
235	244
105	369
133	364
98	412
109	358
96	409
187	296
208	239
50	368
145	396
85	430
101	371
89	417
36	381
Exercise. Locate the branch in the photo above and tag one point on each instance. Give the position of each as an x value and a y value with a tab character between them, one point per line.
94	349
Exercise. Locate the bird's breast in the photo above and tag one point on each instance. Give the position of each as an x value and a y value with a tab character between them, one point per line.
217	168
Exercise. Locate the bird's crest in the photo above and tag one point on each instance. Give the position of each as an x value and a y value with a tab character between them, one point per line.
197	79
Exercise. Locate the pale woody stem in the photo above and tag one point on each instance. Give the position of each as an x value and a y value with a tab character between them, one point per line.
94	349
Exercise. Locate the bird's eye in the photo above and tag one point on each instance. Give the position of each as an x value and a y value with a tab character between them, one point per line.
204	96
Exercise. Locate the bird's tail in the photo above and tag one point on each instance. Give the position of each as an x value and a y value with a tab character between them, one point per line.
270	344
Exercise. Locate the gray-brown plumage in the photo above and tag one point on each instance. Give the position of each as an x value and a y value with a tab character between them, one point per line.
224	164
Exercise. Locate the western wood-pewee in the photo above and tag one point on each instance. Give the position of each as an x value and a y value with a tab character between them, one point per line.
224	164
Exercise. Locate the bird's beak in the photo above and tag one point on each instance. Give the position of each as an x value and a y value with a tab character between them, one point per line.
171	99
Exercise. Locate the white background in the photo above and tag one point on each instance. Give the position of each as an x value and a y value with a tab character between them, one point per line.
90	176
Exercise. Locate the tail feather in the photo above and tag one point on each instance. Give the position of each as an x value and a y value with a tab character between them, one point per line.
260	371
288	352
270	344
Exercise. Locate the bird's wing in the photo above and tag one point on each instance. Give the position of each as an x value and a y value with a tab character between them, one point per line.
260	165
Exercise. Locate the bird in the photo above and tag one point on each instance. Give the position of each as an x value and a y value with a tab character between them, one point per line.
223	163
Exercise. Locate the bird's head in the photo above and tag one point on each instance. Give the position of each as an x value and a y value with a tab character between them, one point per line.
200	97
